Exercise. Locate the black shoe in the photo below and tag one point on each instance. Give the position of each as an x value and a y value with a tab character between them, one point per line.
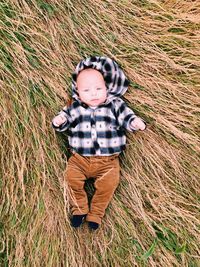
93	225
77	220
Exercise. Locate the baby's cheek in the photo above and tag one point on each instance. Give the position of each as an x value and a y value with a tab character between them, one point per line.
83	97
105	96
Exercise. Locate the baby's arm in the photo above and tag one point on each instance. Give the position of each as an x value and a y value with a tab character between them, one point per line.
127	118
61	121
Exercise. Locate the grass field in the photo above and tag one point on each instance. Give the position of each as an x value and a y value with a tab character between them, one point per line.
154	217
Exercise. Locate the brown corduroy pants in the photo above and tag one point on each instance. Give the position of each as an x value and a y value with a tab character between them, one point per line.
105	170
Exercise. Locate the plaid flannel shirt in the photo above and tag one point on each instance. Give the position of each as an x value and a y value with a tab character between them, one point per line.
99	131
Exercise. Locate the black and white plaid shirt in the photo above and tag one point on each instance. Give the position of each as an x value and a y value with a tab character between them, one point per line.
97	131
100	130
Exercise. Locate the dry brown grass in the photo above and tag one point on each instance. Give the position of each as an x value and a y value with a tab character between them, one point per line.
153	219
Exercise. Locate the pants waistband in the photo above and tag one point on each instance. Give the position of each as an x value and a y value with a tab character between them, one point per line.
96	157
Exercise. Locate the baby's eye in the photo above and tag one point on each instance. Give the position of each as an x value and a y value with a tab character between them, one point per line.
99	88
85	90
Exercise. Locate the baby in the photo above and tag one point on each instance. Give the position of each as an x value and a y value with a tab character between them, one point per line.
96	123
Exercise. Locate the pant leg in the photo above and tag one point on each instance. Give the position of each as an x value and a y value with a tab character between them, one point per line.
75	177
105	184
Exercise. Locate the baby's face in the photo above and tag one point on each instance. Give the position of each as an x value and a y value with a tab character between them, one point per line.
91	87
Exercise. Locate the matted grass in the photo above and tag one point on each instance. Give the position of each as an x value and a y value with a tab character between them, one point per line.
154	217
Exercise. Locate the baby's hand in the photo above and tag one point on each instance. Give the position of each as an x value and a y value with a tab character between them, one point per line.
138	124
58	120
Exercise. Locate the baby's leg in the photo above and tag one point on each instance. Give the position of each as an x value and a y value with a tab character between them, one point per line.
105	184
75	176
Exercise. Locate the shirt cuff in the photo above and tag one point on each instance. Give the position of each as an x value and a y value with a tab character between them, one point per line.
131	128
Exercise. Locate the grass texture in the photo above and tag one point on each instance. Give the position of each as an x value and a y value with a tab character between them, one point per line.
154	217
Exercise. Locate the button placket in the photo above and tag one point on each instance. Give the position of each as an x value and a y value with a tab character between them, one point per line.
93	127
94	132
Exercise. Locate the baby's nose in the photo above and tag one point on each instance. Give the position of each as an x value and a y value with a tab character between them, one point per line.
94	92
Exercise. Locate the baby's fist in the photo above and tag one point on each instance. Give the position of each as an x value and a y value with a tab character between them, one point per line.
58	120
138	124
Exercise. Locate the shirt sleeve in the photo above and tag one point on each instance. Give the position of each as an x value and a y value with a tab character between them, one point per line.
125	115
65	125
